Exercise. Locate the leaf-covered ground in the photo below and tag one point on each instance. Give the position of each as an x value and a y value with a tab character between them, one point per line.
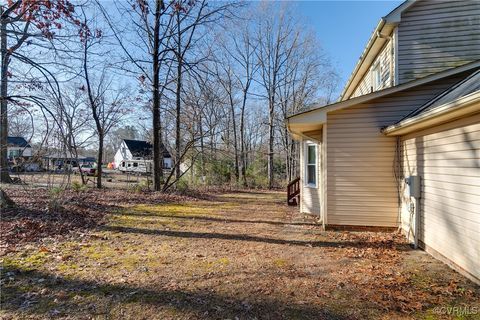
233	256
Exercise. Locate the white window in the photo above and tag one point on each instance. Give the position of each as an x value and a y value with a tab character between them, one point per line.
376	77
311	165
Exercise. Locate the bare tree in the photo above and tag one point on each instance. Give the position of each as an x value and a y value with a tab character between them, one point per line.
307	71
107	104
240	52
20	23
70	118
191	23
277	38
146	53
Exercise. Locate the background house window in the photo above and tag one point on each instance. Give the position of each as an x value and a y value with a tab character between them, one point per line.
311	169
14	153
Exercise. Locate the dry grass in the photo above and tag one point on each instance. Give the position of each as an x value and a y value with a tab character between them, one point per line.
236	256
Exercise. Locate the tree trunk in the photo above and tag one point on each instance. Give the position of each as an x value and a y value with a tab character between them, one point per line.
288	154
202	150
4	175
5	201
101	139
235	144
271	133
157	129
243	158
178	121
178	100
96	117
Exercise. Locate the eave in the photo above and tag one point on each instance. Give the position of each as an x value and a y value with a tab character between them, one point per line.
373	48
314	119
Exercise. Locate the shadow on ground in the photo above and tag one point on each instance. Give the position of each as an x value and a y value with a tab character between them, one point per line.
249	238
52	294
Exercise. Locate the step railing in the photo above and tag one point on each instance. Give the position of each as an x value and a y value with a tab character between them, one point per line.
293	192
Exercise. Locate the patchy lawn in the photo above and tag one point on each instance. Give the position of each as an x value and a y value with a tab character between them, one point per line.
234	256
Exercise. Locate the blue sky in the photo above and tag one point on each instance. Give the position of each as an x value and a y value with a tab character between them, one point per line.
344	27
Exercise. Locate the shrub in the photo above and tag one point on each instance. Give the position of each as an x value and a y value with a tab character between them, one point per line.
78	187
142	186
182	185
54	203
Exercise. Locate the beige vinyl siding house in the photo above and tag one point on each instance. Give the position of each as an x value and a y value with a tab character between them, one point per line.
362	190
448	158
424	126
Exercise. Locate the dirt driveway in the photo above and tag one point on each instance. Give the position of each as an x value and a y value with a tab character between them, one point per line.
235	256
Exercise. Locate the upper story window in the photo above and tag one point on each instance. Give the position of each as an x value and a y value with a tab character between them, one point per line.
311	165
376	77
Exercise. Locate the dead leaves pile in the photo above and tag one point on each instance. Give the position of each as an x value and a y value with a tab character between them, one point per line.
38	214
378	275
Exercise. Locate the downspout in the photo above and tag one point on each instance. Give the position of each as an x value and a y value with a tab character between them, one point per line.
392	54
324	175
417	223
415	188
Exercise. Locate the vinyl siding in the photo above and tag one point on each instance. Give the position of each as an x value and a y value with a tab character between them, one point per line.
361	189
310	197
436	35
386	62
447	158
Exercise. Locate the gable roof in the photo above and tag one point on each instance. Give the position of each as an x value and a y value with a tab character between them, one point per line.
459	100
143	149
374	45
18	142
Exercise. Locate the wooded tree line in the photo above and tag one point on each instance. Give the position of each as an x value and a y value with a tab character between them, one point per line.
212	82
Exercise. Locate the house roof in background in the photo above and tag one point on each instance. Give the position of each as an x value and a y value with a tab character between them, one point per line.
141	148
18	142
65	155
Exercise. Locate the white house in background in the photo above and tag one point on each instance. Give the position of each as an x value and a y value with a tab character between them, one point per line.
401	148
18	147
139	150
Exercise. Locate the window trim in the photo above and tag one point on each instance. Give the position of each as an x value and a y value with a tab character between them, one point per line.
311	185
